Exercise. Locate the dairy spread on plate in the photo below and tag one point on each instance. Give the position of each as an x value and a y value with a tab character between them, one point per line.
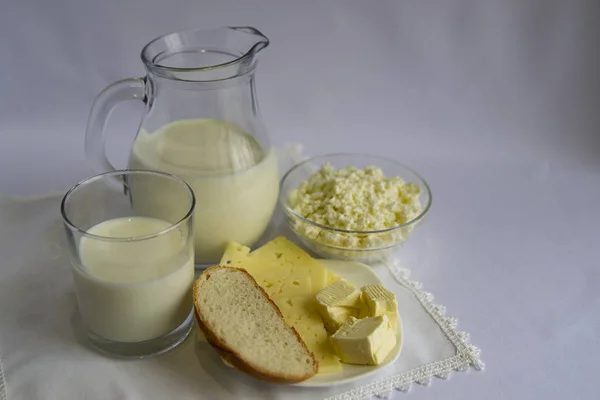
338	302
364	341
379	301
354	199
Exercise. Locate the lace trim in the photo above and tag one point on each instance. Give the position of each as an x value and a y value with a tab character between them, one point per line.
466	355
3	388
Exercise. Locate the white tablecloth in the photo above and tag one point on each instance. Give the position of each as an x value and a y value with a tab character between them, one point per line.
494	102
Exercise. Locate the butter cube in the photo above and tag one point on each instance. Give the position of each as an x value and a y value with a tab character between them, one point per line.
364	310
393	318
336	303
379	300
335	317
366	341
339	294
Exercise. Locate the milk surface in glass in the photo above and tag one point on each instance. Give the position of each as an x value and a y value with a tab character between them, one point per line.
134	290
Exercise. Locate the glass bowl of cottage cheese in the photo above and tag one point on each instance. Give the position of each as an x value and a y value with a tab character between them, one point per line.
355	207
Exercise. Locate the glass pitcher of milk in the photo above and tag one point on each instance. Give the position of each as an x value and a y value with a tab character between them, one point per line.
202	123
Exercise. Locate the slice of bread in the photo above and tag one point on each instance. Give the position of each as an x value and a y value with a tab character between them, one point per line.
247	329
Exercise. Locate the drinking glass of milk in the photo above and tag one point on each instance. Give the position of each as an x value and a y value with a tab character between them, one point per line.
202	123
133	267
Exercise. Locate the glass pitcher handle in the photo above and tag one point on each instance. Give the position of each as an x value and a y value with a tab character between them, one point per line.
95	135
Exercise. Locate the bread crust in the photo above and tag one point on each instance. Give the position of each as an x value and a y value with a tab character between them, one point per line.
231	355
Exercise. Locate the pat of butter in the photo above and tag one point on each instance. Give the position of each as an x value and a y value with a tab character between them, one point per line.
366	341
379	300
335	317
339	294
338	302
393	318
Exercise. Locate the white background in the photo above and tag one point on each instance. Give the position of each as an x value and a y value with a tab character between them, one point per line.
496	103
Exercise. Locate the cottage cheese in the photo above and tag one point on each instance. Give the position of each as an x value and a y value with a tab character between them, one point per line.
353	199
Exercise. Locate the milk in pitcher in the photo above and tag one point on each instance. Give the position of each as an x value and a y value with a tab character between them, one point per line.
234	179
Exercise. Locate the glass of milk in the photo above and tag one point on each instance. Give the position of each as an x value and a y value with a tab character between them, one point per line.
133	267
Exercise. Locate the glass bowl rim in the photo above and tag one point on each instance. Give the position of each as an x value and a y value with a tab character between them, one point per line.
422	182
315	242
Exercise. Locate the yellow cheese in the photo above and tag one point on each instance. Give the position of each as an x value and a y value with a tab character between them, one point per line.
321	348
234	254
297	283
318	274
379	299
280	267
366	341
292	279
280	249
300	313
237	255
284	251
331	277
272	280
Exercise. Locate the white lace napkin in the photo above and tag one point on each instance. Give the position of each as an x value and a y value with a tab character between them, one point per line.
43	355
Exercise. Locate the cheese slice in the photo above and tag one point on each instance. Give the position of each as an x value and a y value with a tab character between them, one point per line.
291	278
331	277
329	363
302	263
318	274
366	341
297	283
280	250
234	254
272	280
237	255
300	313
281	267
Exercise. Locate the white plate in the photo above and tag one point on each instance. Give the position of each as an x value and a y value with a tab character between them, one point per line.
359	275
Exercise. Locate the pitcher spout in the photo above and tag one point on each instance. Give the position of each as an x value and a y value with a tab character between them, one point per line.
204	55
258	40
